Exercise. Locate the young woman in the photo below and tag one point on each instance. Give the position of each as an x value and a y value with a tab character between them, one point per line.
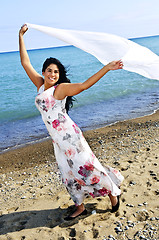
82	173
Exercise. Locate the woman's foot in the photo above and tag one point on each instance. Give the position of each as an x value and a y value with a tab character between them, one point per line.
116	207
115	203
80	211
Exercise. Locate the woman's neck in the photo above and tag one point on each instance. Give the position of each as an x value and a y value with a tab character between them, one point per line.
46	86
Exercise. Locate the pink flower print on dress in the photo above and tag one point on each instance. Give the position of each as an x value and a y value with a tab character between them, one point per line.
95	179
86	170
52	101
103	191
93	156
49	103
89	166
80	181
70	153
64	181
60	122
70	173
55	123
92	195
76	128
115	171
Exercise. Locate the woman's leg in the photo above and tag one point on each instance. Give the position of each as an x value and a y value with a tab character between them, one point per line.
115	202
113	199
79	210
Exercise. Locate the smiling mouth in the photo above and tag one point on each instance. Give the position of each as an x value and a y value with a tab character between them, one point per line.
52	79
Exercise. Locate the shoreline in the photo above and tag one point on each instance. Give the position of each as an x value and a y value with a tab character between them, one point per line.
34	201
47	138
29	152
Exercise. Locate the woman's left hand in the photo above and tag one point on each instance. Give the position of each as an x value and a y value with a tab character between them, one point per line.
115	65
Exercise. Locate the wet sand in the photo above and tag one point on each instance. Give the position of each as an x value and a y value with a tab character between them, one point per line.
33	201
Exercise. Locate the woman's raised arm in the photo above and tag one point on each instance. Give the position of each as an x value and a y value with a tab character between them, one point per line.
35	77
71	89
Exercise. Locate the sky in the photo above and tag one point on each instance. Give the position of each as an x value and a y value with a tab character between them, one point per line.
125	18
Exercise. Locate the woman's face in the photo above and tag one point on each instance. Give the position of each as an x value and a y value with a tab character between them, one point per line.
51	75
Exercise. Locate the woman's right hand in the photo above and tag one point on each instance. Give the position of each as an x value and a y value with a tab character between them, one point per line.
23	29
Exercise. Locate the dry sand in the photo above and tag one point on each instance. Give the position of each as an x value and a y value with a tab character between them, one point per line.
33	201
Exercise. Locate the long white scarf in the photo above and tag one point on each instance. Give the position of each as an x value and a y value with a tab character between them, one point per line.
107	47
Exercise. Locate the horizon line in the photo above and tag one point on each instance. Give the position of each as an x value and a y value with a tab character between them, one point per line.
42	48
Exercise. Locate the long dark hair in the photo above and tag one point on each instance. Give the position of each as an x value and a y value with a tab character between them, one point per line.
62	78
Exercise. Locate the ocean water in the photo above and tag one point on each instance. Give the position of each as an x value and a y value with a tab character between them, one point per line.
118	96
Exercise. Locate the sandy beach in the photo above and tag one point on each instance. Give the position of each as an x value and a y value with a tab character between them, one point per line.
33	202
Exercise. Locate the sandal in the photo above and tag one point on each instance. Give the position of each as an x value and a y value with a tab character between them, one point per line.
116	207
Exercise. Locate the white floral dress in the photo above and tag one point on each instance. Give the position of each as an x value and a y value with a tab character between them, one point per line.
82	173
